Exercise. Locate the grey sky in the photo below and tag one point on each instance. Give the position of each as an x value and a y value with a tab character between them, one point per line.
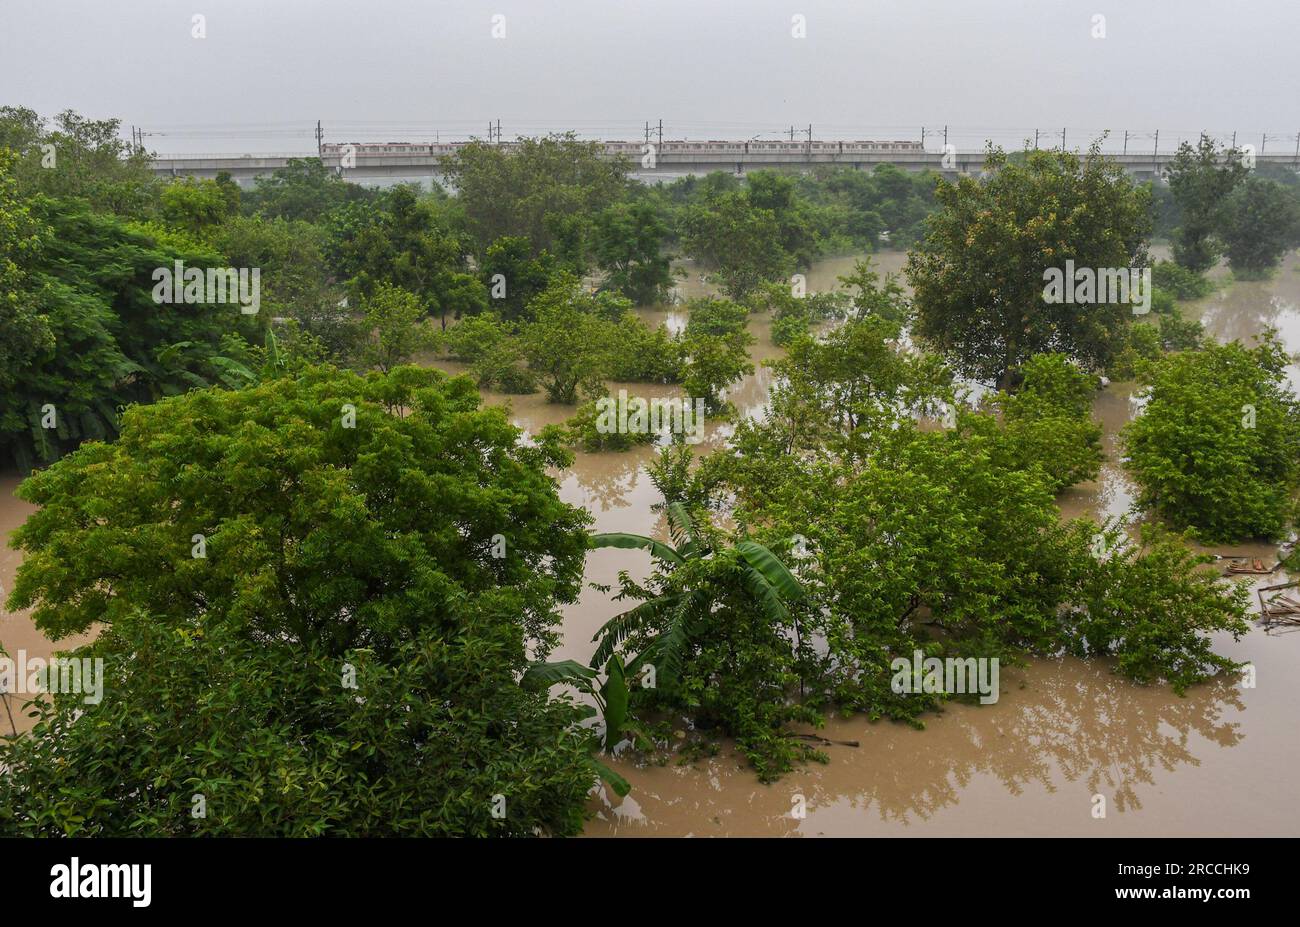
402	69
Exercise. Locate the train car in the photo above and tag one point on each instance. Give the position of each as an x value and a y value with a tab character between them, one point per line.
633	149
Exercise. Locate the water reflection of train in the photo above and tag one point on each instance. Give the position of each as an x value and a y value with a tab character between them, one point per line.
637	149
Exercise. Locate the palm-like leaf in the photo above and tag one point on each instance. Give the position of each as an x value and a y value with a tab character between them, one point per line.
681	528
615	695
545	675
668	650
616	782
621	626
768	580
657	549
773	571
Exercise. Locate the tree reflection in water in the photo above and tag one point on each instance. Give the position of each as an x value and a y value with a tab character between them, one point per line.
1071	723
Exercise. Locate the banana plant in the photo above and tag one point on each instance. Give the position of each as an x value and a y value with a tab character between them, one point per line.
610	696
680	614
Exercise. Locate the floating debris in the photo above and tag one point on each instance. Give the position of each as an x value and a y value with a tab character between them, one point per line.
1255	567
1279	607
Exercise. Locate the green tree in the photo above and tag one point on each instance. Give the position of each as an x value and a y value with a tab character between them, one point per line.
978	278
196	206
404	240
1217	446
27	333
626	240
80	158
948	541
540	189
1260	224
568	345
1048	422
1201	180
738	240
514	277
232	673
713	364
776	193
642	354
90	280
397	328
304	190
297	284
303	564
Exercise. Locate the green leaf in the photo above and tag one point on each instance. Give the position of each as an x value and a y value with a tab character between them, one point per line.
616	782
615	694
545	675
681	525
771	568
620	627
637	542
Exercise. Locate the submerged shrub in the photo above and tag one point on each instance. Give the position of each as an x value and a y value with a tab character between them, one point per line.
1217	446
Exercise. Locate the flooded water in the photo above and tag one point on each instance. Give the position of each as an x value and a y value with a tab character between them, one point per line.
1062	731
17	632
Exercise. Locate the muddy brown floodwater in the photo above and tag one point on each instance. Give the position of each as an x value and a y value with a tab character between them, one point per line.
1214	762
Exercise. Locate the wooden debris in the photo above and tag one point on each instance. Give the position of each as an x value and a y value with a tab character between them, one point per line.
1255	568
816	738
1279	607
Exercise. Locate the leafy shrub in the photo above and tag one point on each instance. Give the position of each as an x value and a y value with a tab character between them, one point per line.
583	430
277	744
1217	446
1181	282
472	338
644	355
1048	422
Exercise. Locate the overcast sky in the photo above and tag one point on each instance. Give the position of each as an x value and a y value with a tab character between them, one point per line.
407	69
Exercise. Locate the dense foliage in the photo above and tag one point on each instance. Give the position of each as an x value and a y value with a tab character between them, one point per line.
88	336
979	274
242	550
1217	446
325	584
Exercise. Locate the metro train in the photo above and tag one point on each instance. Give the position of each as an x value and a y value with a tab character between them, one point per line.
636	149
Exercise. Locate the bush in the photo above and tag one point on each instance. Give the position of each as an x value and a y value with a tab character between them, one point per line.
1181	282
645	355
472	338
277	743
239	552
582	430
1152	608
1048	422
502	368
1217	446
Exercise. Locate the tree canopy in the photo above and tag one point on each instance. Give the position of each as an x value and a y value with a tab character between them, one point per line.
290	630
978	275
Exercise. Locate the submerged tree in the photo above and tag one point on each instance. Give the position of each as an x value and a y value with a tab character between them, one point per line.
1201	180
626	243
979	274
712	635
1261	222
288	630
1217	446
